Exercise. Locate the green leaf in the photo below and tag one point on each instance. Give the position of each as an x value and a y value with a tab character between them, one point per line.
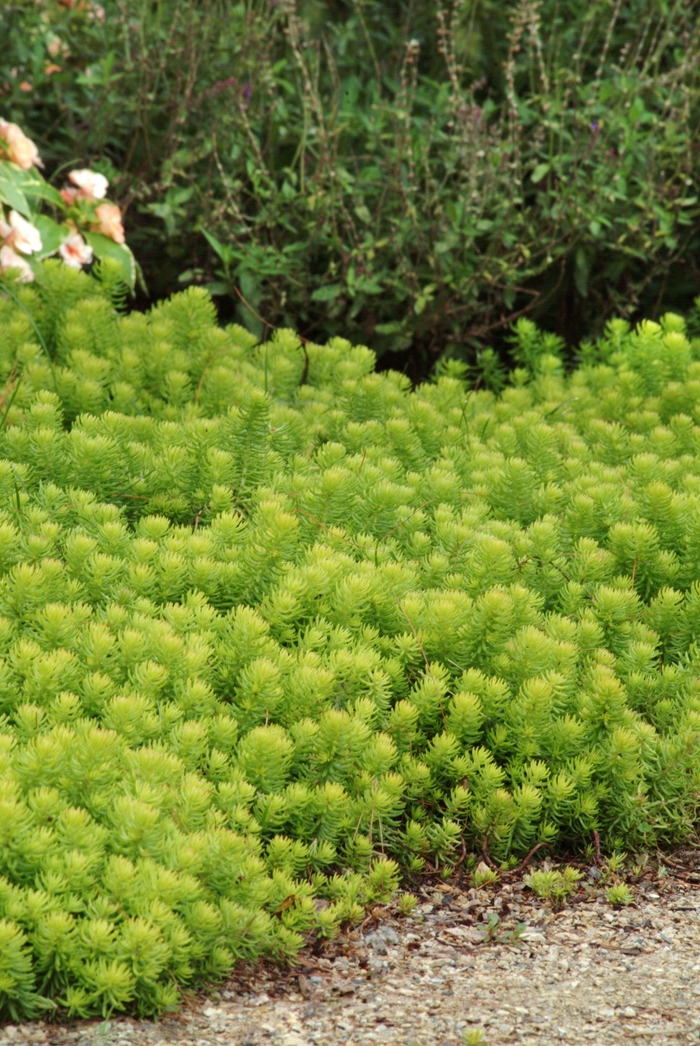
106	248
637	111
223	250
217	287
34	185
10	188
28	183
424	297
327	293
539	172
582	269
52	235
368	286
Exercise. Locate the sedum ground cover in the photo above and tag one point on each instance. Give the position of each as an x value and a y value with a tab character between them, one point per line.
276	630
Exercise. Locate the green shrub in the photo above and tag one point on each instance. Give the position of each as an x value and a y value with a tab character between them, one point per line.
414	175
276	629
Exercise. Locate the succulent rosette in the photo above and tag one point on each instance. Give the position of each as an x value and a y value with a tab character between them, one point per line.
83	224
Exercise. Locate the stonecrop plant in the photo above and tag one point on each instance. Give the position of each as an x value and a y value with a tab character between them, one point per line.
277	630
91	226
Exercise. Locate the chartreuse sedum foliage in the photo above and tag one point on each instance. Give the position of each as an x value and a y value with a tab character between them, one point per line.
274	627
552	884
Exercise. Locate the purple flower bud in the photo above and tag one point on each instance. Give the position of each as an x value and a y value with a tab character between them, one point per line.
594	126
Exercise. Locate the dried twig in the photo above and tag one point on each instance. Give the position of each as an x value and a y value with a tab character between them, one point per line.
528	857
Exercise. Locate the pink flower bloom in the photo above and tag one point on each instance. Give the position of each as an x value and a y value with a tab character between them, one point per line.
18	148
92	185
20	234
92	10
10	260
75	251
70	195
109	218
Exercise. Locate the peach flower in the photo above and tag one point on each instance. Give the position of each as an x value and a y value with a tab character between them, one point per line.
10	260
75	251
70	195
20	234
109	218
92	186
20	149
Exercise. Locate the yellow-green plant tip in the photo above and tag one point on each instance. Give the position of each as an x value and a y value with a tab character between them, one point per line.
619	894
407	903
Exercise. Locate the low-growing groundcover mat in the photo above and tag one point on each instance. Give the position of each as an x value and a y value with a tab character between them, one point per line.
276	629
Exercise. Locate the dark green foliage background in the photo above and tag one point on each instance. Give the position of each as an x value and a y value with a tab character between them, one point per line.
369	171
276	629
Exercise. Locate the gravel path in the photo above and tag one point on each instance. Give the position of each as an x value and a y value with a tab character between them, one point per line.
585	974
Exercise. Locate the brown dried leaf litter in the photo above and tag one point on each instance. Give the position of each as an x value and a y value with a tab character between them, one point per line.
585	974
